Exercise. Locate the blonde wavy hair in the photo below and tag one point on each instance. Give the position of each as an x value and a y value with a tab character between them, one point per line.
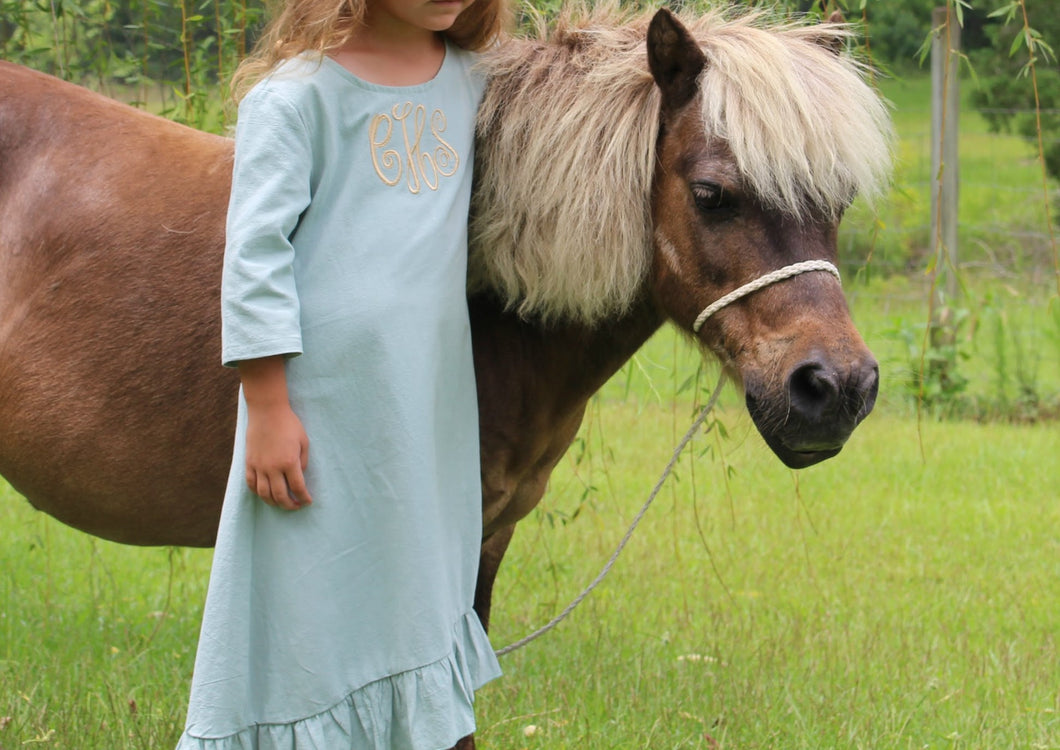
298	26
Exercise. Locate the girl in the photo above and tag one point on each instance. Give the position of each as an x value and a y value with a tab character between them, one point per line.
339	610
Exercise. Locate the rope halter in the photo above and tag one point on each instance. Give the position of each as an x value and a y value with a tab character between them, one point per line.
763	281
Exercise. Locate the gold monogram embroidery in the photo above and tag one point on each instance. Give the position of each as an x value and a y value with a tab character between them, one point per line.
406	127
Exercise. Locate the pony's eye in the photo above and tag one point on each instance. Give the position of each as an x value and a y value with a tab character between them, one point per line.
711	197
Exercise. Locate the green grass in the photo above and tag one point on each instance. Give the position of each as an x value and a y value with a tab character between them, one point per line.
901	595
96	639
905	602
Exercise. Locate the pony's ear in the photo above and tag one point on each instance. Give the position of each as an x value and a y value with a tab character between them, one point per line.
674	58
834	43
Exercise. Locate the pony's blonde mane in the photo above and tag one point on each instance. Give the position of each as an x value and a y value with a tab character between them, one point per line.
561	222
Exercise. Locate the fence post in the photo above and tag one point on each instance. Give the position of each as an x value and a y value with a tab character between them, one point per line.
945	116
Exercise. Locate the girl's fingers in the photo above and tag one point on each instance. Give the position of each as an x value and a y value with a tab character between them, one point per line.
259	485
281	489
283	496
296	486
264	489
278	494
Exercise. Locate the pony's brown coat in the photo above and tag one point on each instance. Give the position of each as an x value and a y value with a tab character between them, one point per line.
111	221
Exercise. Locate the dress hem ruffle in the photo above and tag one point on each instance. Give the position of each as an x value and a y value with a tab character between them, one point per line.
427	708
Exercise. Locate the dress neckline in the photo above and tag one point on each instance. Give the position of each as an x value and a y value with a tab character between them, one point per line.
349	75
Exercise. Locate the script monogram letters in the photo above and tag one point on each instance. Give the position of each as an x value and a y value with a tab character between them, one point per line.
407	144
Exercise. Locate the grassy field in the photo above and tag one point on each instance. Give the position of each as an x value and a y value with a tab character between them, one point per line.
902	595
906	601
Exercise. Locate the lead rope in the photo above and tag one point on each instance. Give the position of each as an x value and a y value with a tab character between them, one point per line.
629	533
763	281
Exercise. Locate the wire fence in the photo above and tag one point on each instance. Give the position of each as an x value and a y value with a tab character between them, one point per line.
993	349
1006	217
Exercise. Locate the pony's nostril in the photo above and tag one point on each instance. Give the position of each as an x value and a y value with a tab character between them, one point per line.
868	387
813	389
817	391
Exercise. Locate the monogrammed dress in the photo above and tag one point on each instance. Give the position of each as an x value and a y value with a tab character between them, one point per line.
348	624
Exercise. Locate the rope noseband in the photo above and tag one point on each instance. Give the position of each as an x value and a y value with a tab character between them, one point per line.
763	281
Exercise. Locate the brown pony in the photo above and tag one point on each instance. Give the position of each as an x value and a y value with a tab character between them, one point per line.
626	175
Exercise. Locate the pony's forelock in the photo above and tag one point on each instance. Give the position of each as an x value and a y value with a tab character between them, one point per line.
561	216
806	130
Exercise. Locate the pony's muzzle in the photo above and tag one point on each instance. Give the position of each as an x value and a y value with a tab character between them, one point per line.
810	417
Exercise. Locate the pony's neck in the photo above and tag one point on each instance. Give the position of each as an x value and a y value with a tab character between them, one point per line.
533	384
560	366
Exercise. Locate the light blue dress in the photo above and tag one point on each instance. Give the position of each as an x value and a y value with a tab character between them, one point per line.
348	624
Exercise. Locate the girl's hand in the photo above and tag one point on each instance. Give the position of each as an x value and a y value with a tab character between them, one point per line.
277	445
277	451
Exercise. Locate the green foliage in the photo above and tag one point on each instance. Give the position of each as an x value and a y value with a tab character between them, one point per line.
896	29
1019	83
175	57
808	612
994	358
937	352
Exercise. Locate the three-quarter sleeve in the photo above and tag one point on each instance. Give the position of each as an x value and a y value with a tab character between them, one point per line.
271	187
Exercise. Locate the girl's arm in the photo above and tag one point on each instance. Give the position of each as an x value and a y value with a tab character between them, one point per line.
277	444
260	319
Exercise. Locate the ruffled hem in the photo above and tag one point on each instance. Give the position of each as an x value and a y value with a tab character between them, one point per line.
429	708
